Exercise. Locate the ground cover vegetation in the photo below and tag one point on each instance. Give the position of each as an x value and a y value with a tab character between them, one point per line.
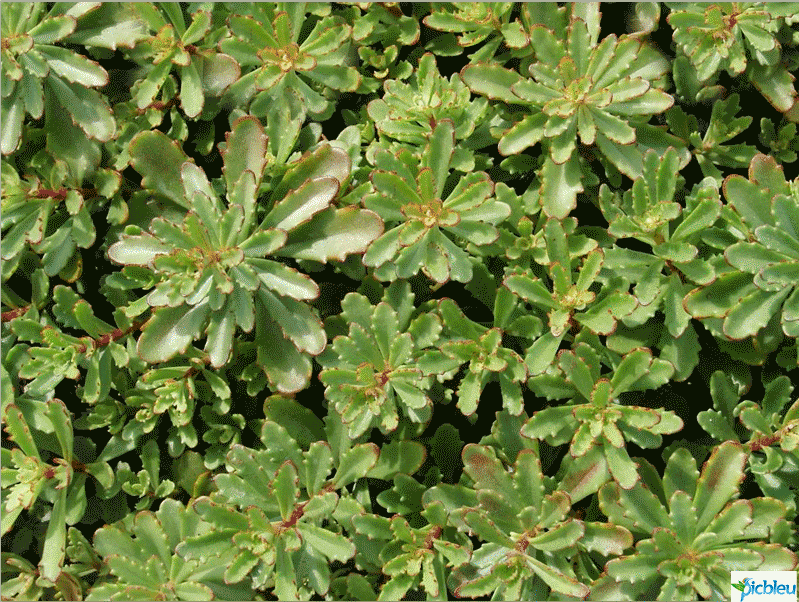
358	301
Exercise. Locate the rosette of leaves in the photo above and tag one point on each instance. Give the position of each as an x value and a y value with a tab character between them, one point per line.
570	294
22	580
373	372
409	196
691	530
271	506
481	348
716	37
56	354
736	37
19	578
186	49
48	211
274	41
602	92
379	33
524	244
140	554
146	484
51	213
210	273
416	557
783	141
769	430
712	149
475	22
528	541
282	509
177	389
42	430
596	424
648	213
409	112
759	288
35	67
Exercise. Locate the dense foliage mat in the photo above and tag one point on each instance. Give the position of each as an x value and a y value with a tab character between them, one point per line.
383	301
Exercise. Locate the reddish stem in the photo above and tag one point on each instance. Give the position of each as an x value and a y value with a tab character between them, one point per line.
12	314
296	515
432	536
159	105
758	444
112	336
61	193
47	193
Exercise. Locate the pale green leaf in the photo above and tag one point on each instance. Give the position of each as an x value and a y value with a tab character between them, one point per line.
334	235
332	545
719	482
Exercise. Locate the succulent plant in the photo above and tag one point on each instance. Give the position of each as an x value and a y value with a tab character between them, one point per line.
379	33
768	429
360	301
372	373
570	294
522	526
410	111
783	142
165	576
34	209
738	37
273	502
760	283
481	349
39	74
210	272
712	149
691	530
476	22
604	92
271	41
598	430
408	197
27	477
415	557
202	71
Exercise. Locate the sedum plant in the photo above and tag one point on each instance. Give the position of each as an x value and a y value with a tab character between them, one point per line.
597	431
134	572
398	301
481	350
691	530
525	529
268	43
741	37
761	269
210	273
39	74
379	33
408	196
570	293
201	70
604	93
372	372
29	478
414	557
767	428
409	112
